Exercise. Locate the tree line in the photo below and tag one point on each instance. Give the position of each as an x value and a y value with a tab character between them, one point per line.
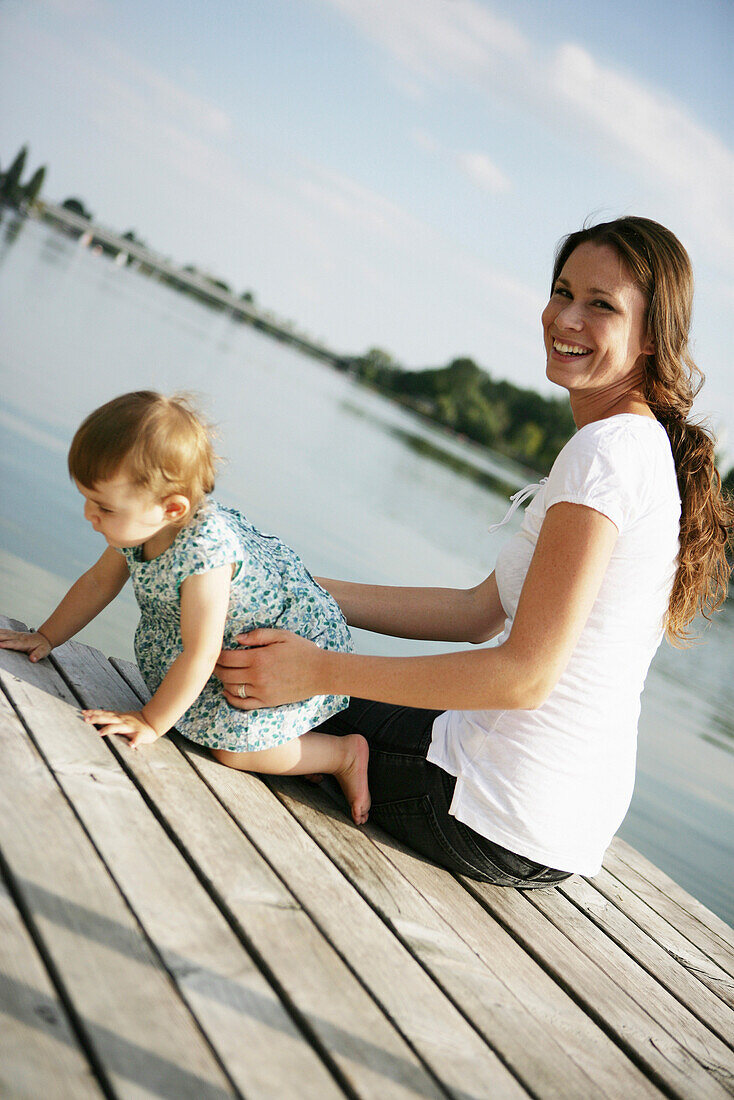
516	422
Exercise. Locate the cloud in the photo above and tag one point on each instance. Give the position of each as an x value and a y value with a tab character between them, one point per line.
355	205
482	171
476	166
625	123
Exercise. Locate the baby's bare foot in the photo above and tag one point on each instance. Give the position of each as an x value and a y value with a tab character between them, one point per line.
353	777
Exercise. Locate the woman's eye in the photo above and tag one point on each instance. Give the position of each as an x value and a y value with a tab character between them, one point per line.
562	291
604	305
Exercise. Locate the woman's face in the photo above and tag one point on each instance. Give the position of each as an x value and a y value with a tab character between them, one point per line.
594	325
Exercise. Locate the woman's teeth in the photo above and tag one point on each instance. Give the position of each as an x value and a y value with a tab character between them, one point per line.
569	349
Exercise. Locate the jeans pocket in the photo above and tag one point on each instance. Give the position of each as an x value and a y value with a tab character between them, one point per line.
414	821
518	871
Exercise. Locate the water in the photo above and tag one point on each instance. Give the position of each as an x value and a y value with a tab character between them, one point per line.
348	479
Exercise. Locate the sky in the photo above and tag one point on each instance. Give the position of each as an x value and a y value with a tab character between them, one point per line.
391	173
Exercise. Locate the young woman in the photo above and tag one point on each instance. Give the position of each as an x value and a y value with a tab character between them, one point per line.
515	763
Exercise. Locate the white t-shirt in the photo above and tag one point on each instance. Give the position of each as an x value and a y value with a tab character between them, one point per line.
553	784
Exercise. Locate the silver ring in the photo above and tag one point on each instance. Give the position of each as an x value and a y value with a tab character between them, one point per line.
242	691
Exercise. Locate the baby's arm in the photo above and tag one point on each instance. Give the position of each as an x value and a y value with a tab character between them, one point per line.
82	603
204	603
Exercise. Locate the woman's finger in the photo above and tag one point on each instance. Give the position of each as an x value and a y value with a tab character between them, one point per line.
251	702
262	635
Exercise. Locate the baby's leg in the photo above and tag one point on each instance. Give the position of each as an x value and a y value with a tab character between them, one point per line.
343	757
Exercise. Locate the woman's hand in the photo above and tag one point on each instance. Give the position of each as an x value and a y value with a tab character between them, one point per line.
35	644
277	667
131	724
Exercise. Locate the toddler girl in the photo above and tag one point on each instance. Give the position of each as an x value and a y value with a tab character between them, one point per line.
202	575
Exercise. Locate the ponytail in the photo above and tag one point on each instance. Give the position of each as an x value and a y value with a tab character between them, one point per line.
702	581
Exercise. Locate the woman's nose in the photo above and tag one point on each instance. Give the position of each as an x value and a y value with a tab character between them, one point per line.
570	318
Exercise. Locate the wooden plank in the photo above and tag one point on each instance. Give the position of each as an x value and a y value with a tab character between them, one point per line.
39	1053
235	1006
697	1038
448	1044
140	1038
439	1033
648	1042
538	1031
664	971
692	919
360	1044
653	927
690	905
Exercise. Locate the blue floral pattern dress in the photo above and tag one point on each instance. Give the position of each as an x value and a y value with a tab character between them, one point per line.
270	587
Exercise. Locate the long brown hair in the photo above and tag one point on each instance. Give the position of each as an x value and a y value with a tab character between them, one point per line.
661	268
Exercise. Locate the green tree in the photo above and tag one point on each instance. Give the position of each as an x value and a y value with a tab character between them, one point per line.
32	189
10	190
76	206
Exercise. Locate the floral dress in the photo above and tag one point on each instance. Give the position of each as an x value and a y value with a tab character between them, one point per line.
270	587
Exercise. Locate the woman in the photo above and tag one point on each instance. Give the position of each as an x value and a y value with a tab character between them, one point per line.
522	769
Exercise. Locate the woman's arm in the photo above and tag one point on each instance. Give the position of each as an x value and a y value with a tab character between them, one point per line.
204	603
432	614
94	590
568	566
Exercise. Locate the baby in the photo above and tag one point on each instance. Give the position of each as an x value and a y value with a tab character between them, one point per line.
202	575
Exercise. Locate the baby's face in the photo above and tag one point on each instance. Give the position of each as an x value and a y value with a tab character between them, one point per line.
124	513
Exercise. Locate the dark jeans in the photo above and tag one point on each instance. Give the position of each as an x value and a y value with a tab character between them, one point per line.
411	797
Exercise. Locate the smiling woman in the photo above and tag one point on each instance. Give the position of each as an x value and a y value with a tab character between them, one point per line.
515	764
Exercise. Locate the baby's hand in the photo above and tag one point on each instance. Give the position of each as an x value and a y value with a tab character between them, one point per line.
130	724
27	641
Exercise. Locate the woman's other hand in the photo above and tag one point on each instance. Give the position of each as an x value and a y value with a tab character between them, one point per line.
33	643
276	667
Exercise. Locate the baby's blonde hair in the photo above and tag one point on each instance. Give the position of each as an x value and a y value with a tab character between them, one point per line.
161	444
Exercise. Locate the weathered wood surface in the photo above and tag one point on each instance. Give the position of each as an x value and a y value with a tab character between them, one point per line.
172	928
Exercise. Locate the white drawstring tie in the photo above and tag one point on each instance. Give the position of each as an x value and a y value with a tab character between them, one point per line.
517	499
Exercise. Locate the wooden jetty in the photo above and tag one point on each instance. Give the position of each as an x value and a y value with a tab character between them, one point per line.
171	928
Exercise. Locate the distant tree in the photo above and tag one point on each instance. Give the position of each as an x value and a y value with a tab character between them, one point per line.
377	368
248	297
219	283
32	189
76	206
131	236
10	189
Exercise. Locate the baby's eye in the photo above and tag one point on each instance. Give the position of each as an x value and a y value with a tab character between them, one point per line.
107	511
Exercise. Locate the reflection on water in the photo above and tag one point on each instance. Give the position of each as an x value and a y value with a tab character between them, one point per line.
437	450
360	487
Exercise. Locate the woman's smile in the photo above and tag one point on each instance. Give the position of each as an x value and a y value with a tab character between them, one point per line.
566	352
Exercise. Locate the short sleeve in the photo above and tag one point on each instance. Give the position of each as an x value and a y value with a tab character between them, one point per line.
209	543
602	467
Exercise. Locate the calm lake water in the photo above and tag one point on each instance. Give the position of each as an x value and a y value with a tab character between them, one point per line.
352	482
